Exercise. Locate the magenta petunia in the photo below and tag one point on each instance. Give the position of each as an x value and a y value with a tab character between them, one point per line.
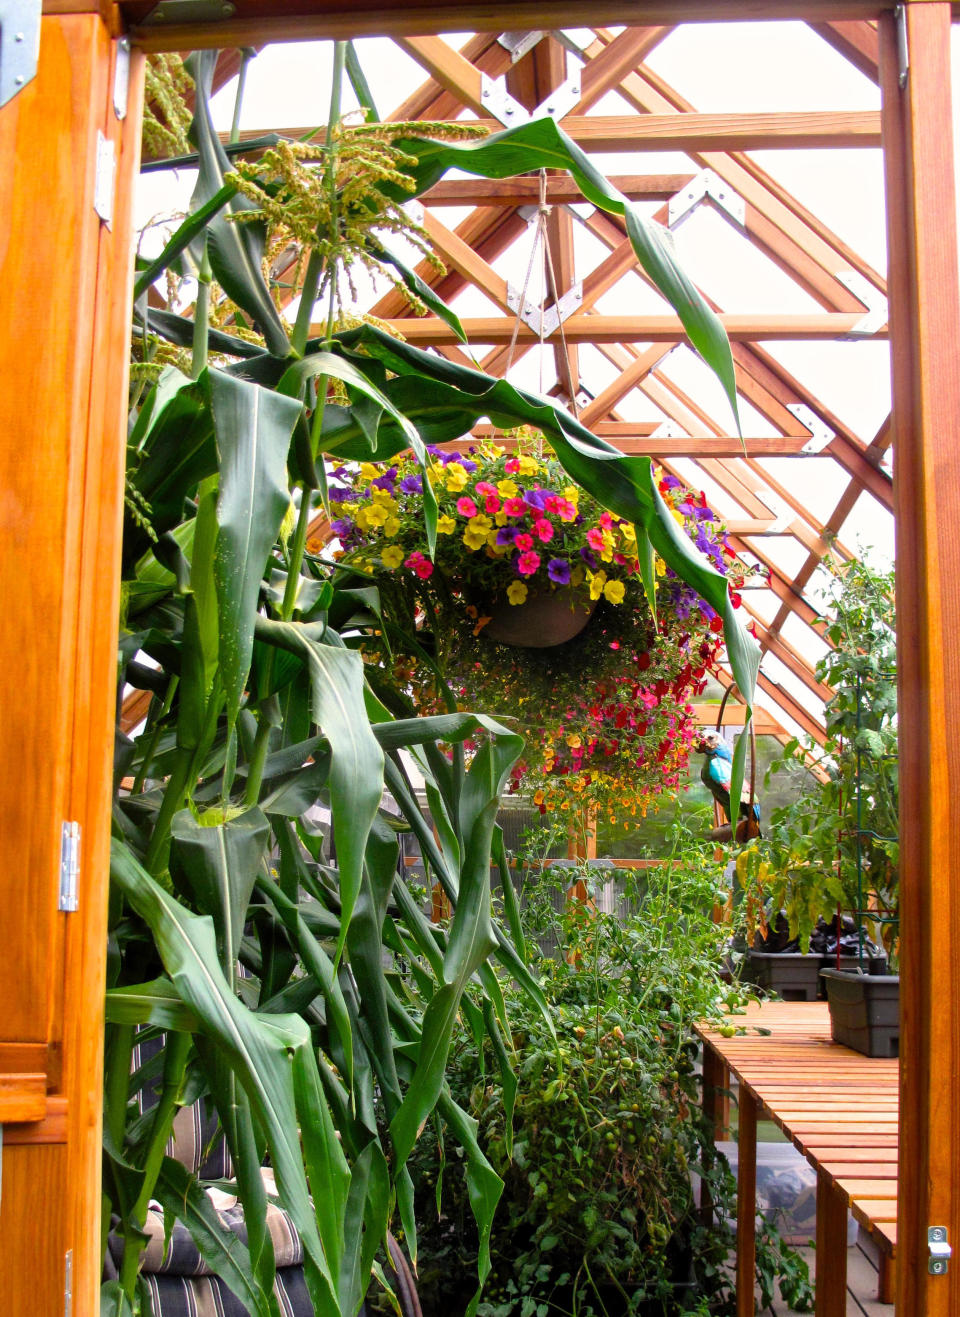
528	563
466	507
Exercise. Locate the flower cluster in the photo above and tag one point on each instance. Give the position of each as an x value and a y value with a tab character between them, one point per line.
606	715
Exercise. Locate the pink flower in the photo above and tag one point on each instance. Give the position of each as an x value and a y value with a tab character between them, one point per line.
466	507
523	543
514	507
606	520
543	530
552	503
512	465
421	565
528	563
594	538
565	509
492	502
485	487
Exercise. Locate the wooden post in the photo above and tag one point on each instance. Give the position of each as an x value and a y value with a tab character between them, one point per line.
924	314
746	1201
831	1257
65	307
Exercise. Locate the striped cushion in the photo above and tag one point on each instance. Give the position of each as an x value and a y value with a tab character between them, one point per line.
183	1257
207	1296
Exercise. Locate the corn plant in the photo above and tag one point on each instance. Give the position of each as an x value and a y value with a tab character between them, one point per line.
304	994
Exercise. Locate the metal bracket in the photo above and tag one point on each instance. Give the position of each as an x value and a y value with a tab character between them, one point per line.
19	45
668	430
703	185
519	43
784	515
498	102
821	434
545	322
170	12
121	78
104	184
68	1284
940	1251
69	865
903	46
875	302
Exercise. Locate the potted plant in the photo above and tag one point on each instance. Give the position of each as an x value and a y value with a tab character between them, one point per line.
834	852
598	687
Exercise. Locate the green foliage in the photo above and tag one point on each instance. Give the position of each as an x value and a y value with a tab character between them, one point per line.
597	1147
837	843
329	1053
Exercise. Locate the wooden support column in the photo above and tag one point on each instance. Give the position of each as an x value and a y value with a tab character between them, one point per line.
831	1258
65	306
747	1107
925	311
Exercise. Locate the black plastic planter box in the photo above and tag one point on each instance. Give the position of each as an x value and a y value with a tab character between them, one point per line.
794	976
864	1011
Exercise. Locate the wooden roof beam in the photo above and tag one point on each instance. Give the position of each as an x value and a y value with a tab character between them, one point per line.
857	41
582	328
525	191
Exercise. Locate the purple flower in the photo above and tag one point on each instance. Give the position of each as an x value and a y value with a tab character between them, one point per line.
338	495
387	480
342	526
535	498
558	569
672	482
467	464
590	558
412	484
507	534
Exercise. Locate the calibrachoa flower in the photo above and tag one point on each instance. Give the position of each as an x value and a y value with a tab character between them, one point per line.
606	717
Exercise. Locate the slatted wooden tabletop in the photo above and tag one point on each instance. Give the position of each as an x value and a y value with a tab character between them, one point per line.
839	1108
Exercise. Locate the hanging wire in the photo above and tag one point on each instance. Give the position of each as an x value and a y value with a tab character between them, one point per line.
548	284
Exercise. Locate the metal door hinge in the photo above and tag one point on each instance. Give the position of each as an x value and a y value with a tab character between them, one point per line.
121	78
903	45
19	45
68	1284
69	865
940	1251
105	181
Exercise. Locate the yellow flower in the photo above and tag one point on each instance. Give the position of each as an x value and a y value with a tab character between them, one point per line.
529	466
577	577
491	450
368	472
572	492
363	518
614	591
391	526
538	797
660	566
474	539
597	582
507	488
376	515
677	516
446	525
573	741
516	592
392	557
479	522
455	476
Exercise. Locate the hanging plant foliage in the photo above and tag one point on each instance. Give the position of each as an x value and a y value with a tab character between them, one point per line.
526	557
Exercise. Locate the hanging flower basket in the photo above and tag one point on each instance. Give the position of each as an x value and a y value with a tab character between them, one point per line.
532	608
543	620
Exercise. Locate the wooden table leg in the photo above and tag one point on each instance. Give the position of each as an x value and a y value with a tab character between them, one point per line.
831	1249
746	1203
888	1278
716	1083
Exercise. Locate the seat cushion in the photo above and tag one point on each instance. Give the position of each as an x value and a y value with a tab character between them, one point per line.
207	1296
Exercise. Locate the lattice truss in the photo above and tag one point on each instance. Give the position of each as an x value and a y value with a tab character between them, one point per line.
620	359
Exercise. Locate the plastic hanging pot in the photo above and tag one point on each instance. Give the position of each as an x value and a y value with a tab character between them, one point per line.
544	619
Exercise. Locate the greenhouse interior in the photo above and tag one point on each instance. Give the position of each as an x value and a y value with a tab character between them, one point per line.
483	499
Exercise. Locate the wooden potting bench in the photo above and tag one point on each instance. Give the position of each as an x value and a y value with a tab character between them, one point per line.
839	1108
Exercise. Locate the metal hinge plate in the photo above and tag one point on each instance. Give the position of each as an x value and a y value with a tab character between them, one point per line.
68	1284
121	78
19	45
69	865
940	1251
170	12
106	177
703	185
668	430
519	43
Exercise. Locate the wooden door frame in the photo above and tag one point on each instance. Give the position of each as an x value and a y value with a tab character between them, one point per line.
925	313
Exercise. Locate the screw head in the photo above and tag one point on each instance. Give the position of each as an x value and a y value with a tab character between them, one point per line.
18	36
19	80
